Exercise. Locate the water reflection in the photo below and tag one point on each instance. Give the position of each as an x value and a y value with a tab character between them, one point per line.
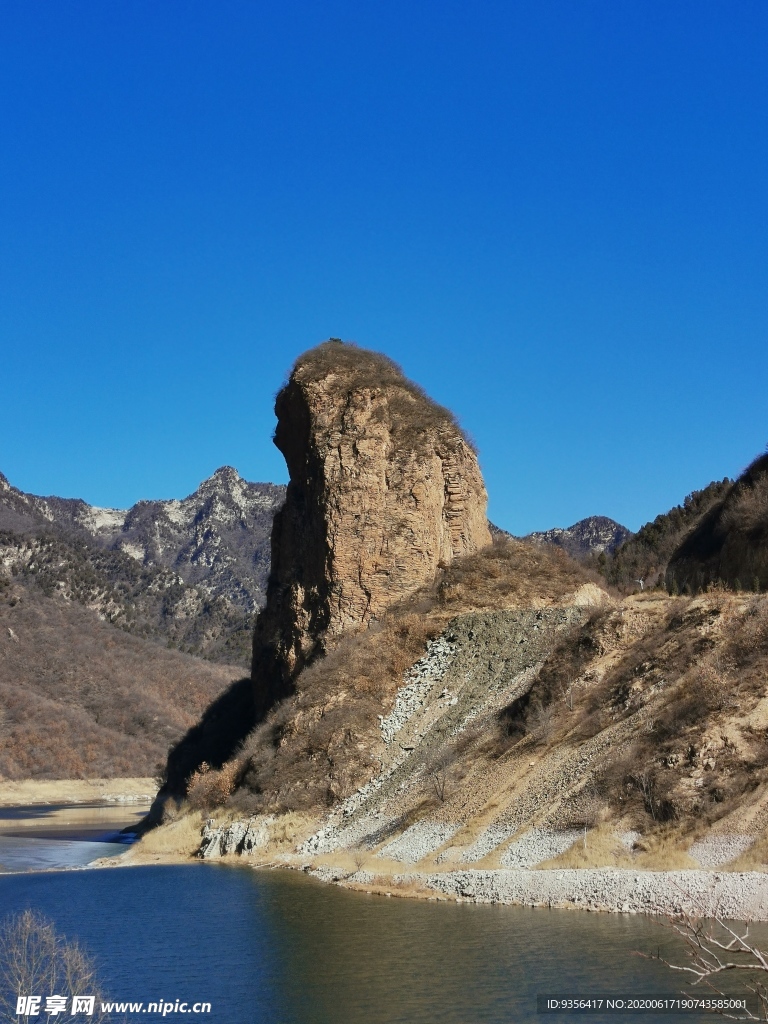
279	948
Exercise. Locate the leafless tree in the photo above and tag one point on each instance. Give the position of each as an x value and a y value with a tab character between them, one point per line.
359	857
541	722
35	960
437	769
716	950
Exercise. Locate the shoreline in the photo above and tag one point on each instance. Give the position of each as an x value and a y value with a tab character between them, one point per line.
695	892
734	896
39	792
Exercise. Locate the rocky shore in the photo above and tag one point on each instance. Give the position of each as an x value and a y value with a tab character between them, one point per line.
729	895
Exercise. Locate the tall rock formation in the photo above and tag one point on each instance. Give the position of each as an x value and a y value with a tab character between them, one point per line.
384	487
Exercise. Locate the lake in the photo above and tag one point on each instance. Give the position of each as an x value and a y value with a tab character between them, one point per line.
277	947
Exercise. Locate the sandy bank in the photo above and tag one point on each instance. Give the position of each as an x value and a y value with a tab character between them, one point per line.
76	791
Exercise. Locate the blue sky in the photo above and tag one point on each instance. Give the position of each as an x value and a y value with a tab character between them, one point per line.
553	214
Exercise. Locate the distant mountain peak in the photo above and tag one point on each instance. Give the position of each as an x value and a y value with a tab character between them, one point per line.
590	536
216	538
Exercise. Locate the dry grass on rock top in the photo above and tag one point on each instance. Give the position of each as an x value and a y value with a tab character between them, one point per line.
411	409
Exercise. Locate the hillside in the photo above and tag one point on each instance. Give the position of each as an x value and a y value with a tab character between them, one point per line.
149	601
488	726
187	573
82	699
645	555
729	544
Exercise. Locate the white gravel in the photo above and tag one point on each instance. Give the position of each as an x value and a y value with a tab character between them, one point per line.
497	832
734	896
537	845
628	839
420	678
367	830
716	850
418	841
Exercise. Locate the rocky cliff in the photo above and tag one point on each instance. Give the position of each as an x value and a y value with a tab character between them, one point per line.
384	489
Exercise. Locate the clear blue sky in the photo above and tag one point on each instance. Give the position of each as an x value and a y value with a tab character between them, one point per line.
552	213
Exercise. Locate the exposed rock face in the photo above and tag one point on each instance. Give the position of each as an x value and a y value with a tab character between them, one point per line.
383	488
216	539
589	536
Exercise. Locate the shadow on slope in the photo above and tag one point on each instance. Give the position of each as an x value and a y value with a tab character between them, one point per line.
730	544
213	741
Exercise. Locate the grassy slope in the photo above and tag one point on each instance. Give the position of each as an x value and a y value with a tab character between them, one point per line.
80	698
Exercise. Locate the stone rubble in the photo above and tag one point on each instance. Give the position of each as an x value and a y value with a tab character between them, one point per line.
498	832
537	845
733	896
418	841
420	679
715	850
241	837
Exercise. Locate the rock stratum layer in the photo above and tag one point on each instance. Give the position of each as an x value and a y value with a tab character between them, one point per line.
384	489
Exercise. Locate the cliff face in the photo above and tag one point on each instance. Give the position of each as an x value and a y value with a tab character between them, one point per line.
384	487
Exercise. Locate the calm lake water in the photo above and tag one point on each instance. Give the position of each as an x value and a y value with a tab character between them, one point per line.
268	947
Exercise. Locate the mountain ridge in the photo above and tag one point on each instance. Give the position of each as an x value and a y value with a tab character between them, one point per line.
217	537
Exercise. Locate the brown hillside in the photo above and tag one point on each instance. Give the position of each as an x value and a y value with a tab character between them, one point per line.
321	743
730	544
80	698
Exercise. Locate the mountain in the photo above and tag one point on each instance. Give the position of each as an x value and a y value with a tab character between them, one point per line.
729	543
189	574
217	538
82	699
591	536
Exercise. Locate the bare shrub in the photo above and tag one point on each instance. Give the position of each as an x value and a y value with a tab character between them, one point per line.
359	856
717	952
36	960
438	772
748	509
541	722
209	788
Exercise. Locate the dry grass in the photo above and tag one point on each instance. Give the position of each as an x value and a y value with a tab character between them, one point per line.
753	859
603	849
74	791
180	837
411	410
509	574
